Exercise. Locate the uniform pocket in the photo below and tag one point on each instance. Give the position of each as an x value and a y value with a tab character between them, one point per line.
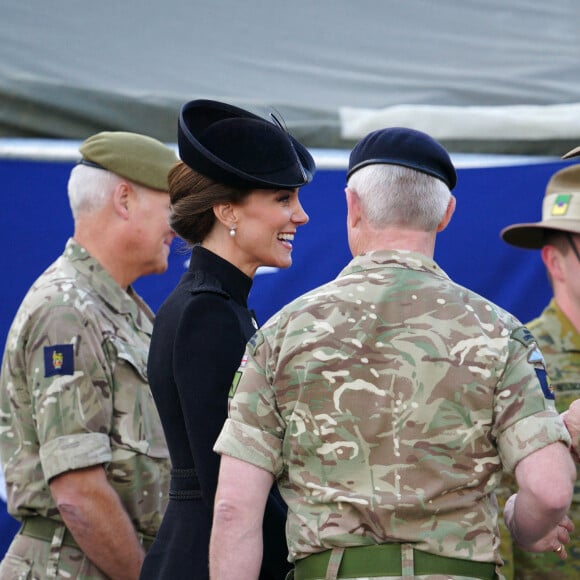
134	356
136	421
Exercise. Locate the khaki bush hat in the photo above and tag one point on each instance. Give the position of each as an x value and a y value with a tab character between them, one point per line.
560	209
574	153
136	157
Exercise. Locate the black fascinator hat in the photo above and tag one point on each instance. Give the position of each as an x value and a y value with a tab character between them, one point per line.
238	148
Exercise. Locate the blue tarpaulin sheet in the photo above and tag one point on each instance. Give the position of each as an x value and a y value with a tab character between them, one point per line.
35	223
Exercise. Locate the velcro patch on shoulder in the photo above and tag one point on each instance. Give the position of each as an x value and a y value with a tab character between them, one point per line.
238	376
59	360
256	340
535	358
523	336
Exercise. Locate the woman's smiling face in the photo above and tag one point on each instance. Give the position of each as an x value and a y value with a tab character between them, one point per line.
266	222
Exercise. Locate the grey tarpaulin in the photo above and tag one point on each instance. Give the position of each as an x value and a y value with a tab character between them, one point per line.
498	76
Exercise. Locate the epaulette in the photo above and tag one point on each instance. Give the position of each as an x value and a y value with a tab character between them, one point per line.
523	336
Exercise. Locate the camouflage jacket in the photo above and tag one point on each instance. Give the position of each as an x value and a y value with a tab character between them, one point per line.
386	403
74	392
559	342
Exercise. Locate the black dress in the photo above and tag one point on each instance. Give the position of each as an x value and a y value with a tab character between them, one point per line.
199	337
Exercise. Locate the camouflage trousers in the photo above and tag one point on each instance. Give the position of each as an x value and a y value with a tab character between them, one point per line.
31	559
521	565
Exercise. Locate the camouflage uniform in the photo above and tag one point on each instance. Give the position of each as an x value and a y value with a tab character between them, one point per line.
386	403
74	394
560	345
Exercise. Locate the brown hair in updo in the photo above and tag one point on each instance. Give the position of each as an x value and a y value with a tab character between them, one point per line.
193	196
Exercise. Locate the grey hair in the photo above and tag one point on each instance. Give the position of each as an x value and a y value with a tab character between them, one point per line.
89	188
393	195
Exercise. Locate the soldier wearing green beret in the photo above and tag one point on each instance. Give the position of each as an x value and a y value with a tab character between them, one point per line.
81	442
387	402
557	331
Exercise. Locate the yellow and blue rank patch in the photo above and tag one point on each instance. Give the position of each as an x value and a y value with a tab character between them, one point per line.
561	204
59	360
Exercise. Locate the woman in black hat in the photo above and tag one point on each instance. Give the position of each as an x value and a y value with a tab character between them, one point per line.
234	198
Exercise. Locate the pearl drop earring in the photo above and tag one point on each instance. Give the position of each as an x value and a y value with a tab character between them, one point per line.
232	232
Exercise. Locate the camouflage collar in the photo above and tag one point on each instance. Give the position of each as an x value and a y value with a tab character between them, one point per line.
123	302
393	259
568	334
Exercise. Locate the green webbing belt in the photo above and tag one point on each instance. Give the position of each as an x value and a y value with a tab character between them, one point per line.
42	528
385	560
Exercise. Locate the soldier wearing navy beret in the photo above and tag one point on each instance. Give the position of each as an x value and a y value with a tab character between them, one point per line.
386	402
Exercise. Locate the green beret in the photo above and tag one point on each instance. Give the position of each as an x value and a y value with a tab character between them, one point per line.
138	158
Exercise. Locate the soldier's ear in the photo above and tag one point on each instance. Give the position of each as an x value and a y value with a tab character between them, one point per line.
354	208
448	214
121	199
553	260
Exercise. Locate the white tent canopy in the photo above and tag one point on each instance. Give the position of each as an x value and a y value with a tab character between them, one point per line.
497	76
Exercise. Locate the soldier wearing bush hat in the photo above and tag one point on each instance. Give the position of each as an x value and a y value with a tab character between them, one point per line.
557	331
83	450
378	405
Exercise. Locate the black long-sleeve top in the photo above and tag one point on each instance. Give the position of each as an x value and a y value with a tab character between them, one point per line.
199	337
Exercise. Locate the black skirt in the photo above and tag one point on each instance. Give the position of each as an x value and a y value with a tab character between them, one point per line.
181	548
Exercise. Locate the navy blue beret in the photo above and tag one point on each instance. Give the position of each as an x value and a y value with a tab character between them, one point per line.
237	148
406	147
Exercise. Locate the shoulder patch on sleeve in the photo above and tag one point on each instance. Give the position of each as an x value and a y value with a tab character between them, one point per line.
59	360
535	358
255	341
547	388
238	376
523	336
